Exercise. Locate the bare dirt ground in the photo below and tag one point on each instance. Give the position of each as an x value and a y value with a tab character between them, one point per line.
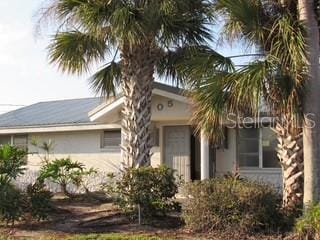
83	215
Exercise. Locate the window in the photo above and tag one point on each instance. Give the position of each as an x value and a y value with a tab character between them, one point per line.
249	147
111	139
154	135
5	139
269	145
257	148
20	141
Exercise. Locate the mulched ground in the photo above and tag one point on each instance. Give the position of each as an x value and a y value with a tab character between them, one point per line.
86	215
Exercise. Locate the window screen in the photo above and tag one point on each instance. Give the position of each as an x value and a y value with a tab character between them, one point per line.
249	147
20	141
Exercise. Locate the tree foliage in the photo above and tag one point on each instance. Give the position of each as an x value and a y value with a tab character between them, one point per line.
14	203
90	32
153	189
275	78
12	162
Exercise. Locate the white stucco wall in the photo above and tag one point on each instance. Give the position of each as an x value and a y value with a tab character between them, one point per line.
226	158
172	110
155	157
271	176
84	146
81	146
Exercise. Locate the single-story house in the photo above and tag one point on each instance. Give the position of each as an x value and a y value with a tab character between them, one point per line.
89	131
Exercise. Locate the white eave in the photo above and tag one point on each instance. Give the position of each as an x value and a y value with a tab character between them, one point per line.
106	108
167	94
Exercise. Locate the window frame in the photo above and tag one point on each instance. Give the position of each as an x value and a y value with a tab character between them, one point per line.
103	147
20	145
260	152
12	139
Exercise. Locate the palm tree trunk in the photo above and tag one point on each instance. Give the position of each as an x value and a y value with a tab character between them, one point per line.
290	154
137	79
311	128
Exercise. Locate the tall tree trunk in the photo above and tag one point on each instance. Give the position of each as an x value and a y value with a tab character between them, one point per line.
290	154
311	108
137	79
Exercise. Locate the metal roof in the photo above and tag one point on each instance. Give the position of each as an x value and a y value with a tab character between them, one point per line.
62	112
73	111
167	88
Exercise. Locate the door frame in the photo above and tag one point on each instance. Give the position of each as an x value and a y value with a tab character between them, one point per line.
163	138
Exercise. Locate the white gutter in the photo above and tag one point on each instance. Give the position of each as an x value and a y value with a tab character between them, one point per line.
56	128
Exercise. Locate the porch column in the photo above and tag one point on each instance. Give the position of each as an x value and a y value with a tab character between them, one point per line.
204	163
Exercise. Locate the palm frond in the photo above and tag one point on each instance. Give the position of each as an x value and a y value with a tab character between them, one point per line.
286	42
184	22
203	61
107	79
185	65
88	29
71	13
243	19
225	93
74	51
285	94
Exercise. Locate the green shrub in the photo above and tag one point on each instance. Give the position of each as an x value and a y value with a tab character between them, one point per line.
153	189
38	201
242	204
12	162
11	203
63	172
14	204
308	226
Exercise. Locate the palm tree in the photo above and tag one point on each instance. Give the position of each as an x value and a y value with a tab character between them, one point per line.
311	108
276	76
142	37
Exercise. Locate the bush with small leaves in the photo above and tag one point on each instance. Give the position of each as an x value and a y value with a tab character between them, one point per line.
39	201
153	189
14	203
242	204
12	165
308	225
11	202
12	162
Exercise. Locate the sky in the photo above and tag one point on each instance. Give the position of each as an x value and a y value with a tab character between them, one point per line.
26	75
